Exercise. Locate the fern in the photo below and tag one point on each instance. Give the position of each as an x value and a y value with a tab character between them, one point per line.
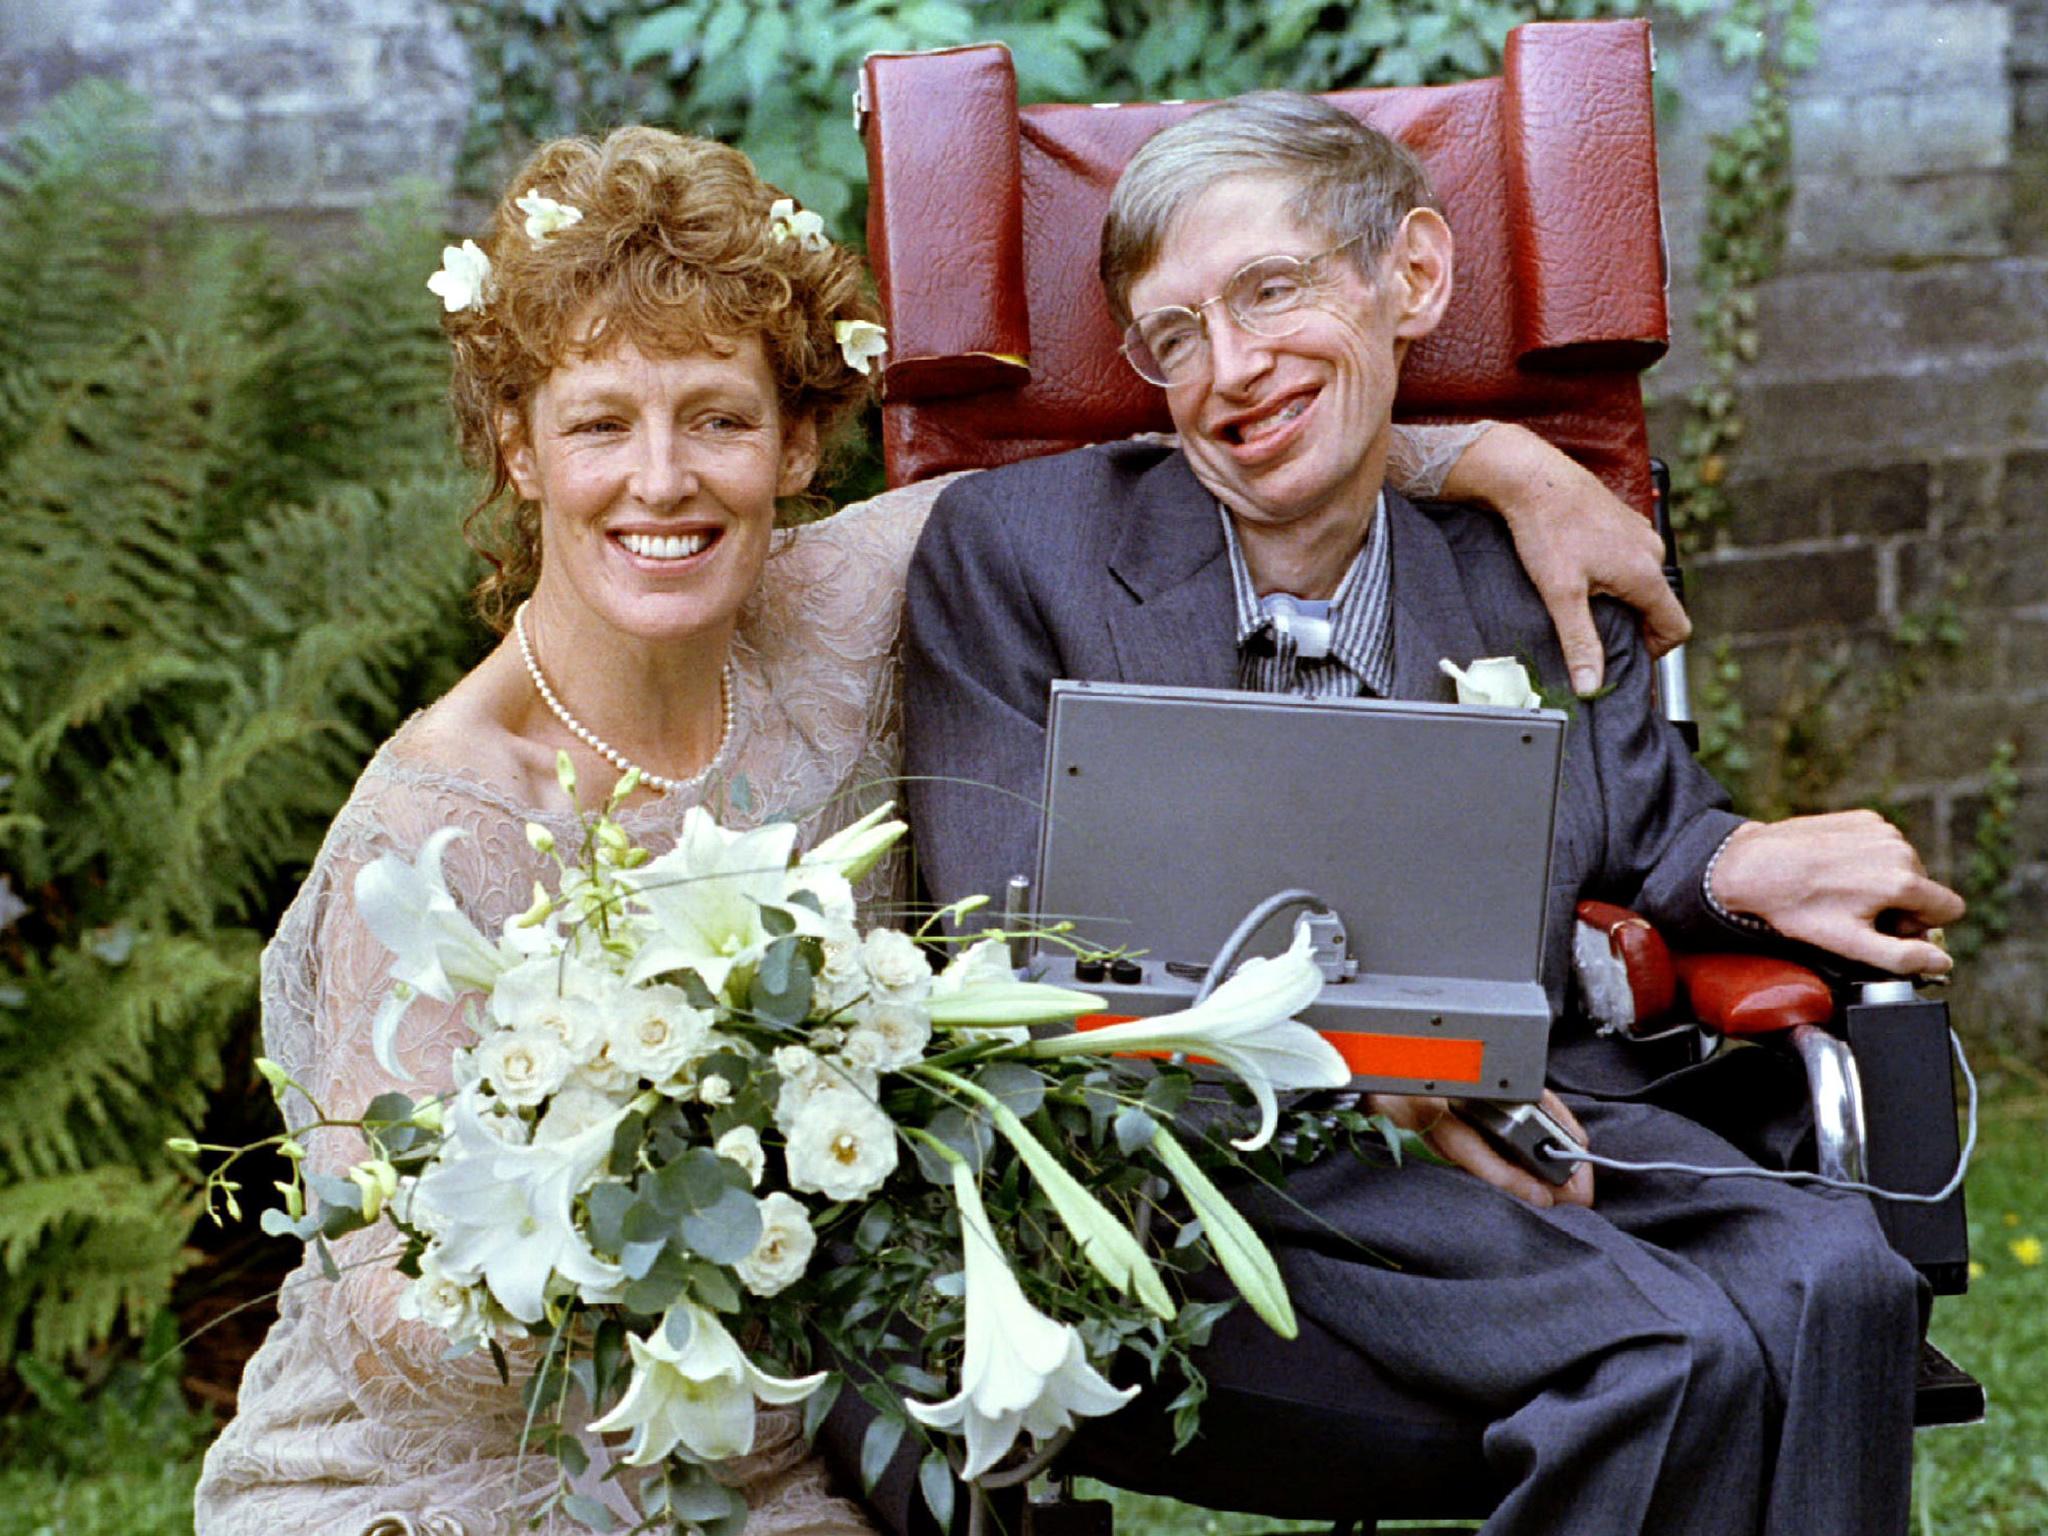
229	565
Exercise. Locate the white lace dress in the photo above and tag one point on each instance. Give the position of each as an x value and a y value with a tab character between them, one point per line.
351	1422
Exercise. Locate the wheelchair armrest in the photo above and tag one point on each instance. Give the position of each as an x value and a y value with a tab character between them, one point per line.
1633	981
1736	994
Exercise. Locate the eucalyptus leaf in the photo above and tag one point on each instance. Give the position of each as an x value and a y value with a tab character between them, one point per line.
1020	1088
714	1288
582	1507
388	1109
1134	1130
608	1204
726	1230
967	1135
636	1259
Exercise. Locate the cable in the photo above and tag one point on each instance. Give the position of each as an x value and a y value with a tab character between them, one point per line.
1249	924
1577	1154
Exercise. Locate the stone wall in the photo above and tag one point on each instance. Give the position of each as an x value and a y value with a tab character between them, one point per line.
1896	452
1898	413
291	111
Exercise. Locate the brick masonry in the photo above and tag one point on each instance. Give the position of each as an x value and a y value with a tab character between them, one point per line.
1898	414
1897	447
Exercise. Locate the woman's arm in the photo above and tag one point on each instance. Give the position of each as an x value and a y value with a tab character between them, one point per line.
1575	538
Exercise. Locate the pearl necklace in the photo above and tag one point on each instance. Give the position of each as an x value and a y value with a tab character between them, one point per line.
605	749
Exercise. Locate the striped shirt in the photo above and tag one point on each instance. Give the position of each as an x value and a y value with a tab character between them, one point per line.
1361	617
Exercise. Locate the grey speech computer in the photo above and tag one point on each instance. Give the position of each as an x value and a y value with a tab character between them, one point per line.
1426	828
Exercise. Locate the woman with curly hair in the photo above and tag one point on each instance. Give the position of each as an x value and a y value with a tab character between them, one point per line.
654	350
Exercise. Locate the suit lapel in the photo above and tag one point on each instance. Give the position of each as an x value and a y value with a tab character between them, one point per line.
1432	613
1171	614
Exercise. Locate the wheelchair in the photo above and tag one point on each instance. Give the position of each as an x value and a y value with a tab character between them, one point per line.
982	230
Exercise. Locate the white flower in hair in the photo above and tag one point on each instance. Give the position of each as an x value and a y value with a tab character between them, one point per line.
860	341
805	228
544	215
464	278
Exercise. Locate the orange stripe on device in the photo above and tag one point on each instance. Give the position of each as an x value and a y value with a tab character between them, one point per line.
1423	1057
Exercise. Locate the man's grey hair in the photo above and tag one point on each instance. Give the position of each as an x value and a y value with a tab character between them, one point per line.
1349	180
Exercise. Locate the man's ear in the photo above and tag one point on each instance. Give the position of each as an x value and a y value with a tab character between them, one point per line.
799	457
515	446
1419	265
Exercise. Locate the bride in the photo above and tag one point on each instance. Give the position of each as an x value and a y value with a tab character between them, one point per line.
652	352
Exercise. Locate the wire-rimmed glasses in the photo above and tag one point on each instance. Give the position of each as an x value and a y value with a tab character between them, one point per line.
1265	297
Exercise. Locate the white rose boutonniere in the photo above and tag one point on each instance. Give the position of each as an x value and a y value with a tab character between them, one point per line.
1499	681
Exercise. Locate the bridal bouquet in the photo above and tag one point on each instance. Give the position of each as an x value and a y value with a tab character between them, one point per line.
714	1146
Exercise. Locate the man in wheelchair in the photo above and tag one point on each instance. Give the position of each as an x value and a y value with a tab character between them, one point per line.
1664	1353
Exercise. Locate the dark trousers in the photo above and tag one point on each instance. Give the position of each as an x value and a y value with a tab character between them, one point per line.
1724	1356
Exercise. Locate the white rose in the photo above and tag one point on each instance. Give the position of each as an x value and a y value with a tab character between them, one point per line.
523	1066
896	966
806	1075
842	979
742	1145
784	1251
435	1299
544	993
1500	681
575	1108
654	1033
714	1090
840	1146
892	1036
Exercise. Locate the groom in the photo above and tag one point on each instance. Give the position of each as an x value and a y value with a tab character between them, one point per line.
1673	1355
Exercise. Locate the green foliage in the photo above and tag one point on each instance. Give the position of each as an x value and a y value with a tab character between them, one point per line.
1839	704
228	565
1749	189
775	78
1993	855
112	1453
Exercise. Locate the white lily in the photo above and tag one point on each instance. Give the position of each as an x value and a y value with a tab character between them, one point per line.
860	342
705	898
1020	1370
464	280
855	850
503	1212
699	1396
437	951
1500	681
978	989
1106	1243
1246	1025
1244	1258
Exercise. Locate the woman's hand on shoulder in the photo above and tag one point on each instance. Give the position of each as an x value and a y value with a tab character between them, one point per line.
1576	539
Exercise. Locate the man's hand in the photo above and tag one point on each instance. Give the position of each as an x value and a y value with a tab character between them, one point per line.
1451	1138
1826	880
1575	539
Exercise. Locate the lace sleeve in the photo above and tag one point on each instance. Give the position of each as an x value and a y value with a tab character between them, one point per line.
1421	457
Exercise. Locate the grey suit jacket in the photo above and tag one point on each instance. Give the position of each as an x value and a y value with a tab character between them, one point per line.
1108	564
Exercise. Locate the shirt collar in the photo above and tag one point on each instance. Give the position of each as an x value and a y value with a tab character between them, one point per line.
1361	610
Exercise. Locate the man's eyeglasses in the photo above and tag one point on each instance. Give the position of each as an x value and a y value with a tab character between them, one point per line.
1265	297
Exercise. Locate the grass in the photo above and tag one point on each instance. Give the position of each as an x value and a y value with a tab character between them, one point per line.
1988	1479
84	1472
